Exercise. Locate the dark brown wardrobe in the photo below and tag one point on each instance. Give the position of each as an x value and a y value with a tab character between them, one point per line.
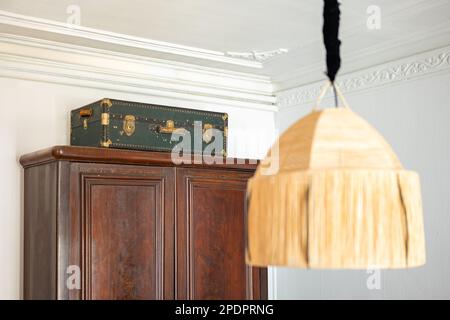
119	224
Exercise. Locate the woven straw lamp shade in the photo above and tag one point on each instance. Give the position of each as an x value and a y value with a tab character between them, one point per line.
340	199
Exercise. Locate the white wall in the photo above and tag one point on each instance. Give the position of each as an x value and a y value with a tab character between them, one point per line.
414	116
36	115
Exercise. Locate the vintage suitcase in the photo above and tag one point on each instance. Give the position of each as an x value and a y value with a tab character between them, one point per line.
130	125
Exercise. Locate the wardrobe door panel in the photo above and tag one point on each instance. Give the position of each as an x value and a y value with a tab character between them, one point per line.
126	238
211	236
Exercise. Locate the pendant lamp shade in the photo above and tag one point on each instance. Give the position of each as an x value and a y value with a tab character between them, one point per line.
340	199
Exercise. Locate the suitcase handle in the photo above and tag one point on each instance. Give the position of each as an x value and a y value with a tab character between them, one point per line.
85	114
169	128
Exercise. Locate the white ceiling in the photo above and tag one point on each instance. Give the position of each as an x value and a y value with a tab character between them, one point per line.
407	27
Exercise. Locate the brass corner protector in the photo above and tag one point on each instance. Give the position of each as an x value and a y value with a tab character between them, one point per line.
106	103
106	143
225	116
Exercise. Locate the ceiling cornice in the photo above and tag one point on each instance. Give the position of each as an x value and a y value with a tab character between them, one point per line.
414	67
48	61
43	60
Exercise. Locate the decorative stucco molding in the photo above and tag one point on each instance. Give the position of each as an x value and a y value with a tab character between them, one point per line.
401	70
262	56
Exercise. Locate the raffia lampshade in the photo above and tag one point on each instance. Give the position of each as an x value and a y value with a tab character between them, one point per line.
340	199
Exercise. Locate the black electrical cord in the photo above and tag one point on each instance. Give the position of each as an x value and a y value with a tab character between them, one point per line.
331	16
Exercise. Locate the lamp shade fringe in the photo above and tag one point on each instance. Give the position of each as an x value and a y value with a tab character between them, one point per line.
336	218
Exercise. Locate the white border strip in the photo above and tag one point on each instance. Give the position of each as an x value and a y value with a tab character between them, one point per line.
272	283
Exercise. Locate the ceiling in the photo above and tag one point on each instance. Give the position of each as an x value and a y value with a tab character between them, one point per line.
211	28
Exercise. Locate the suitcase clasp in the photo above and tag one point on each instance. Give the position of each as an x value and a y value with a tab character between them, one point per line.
129	124
207	132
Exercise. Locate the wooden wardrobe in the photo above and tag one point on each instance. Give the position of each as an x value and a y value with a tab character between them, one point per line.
120	224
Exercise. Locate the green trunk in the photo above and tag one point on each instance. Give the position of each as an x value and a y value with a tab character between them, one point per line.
131	125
